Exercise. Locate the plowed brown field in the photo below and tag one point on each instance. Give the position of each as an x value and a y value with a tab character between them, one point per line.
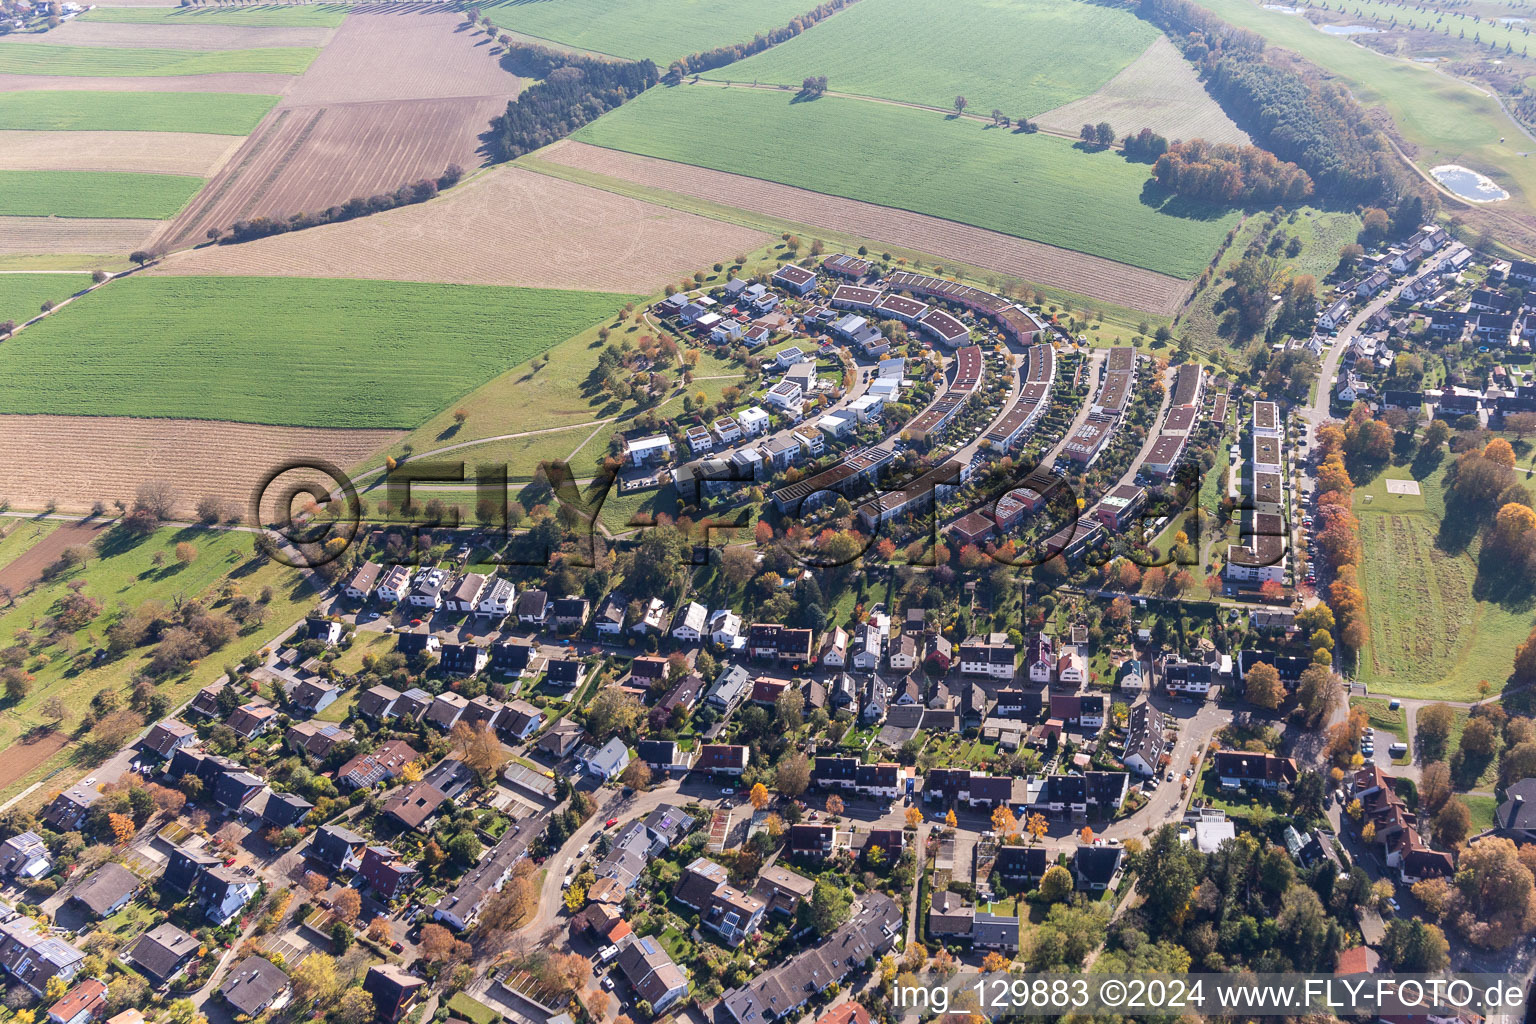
409	55
508	227
392	98
259	85
146	152
174	37
78	460
73	234
305	159
27	568
990	250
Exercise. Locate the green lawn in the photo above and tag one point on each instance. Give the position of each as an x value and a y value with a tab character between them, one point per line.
1483	809
121	574
112	62
22	295
284	351
95	194
1032	186
1443	120
1429	636
662	30
264	15
228	113
473	1010
1022	58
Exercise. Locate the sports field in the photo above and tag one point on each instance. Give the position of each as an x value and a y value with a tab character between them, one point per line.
283	351
1032	186
209	113
1021	58
22	295
662	30
94	194
1446	120
262	15
1429	636
122	62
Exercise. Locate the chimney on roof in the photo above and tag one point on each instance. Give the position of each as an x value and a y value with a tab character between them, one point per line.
1514	810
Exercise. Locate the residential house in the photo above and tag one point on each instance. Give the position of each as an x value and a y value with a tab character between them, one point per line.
607	761
166	737
413	806
532	607
722	758
253	986
690	623
25	856
570	613
33	955
498	598
385	872
222	892
1243	768
106	891
394	990
338	848
85	1002
651	972
384	762
1097	868
161	953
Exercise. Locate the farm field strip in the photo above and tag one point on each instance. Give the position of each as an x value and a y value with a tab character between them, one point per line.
568	236
1030	186
247	83
22	295
1022	58
210	113
78	460
184	36
39	235
105	194
662	30
293	352
1158	90
38	59
312	158
423	55
271	15
142	152
1042	264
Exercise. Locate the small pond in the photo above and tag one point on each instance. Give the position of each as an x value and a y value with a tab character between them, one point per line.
1468	184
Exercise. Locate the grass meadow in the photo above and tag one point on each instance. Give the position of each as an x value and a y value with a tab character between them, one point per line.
1443	120
121	573
207	113
115	62
261	15
22	295
1021	58
301	352
95	194
1032	186
662	30
1430	637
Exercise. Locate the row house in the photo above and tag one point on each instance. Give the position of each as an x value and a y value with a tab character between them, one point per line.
991	656
1246	769
1091	796
848	774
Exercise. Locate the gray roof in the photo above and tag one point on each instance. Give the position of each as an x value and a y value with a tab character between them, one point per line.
106	888
253	984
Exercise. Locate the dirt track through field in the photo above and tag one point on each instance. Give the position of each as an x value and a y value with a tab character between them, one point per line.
508	227
79	460
146	152
27	568
259	85
1033	261
73	235
173	37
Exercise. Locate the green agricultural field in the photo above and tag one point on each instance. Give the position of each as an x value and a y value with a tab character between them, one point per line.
310	352
94	194
662	30
22	295
262	15
1022	58
17	535
1032	186
1429	636
229	113
122	572
1445	121
112	62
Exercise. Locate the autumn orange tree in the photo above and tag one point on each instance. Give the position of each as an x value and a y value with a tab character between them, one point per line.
1037	826
122	827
